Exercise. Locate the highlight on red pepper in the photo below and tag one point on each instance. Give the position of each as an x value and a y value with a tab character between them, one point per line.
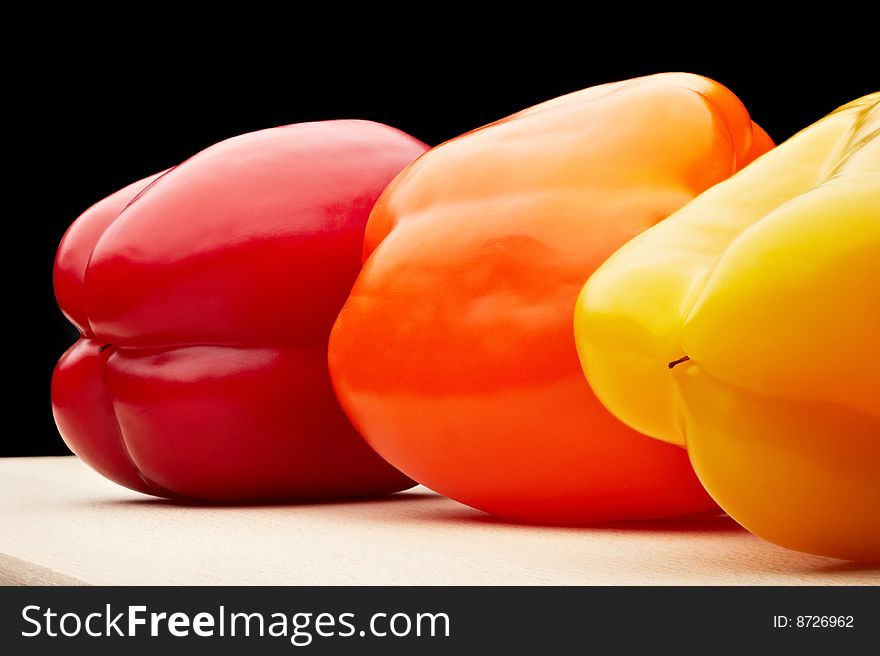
205	296
454	354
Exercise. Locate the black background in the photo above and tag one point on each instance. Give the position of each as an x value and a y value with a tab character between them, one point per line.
111	109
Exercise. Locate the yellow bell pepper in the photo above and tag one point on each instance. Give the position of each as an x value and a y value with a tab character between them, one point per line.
746	326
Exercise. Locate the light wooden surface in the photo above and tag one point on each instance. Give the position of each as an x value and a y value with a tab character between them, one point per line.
62	524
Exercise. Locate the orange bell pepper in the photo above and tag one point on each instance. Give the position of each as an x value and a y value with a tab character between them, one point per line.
454	354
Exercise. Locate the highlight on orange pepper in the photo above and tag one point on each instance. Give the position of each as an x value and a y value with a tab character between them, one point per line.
454	354
748	326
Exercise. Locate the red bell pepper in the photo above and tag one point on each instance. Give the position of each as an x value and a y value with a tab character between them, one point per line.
205	297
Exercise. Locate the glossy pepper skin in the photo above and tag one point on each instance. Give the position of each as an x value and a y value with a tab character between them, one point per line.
770	284
205	297
454	353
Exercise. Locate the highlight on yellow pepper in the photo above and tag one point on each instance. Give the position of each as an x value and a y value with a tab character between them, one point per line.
746	326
